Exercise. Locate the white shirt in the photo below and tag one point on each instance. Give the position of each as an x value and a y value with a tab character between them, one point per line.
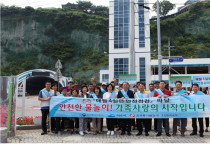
107	95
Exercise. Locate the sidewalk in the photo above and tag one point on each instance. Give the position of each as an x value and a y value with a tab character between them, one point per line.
34	136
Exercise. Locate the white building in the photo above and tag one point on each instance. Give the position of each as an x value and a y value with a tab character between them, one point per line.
189	67
120	17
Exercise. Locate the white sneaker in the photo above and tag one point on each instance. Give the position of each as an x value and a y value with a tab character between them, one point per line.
112	132
86	132
108	133
81	133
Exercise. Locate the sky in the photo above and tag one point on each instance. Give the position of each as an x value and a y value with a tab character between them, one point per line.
58	3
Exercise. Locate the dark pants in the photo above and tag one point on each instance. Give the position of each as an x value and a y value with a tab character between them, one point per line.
126	125
64	119
145	122
194	125
133	122
55	124
71	124
207	122
76	125
102	120
155	123
45	112
110	124
183	124
166	120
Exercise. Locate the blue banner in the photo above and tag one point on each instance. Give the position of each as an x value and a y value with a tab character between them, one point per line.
171	107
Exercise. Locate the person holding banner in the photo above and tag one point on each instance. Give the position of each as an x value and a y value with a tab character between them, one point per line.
204	90
55	121
179	92
156	120
150	95
195	88
162	93
110	94
147	122
45	96
96	122
125	93
75	93
83	121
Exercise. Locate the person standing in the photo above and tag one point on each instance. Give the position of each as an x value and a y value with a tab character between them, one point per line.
126	93
45	96
55	121
83	121
147	122
110	94
179	92
162	93
150	95
96	122
195	88
204	90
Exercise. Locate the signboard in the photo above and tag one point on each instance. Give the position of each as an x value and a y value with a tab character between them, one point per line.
130	78
172	107
176	59
202	81
186	81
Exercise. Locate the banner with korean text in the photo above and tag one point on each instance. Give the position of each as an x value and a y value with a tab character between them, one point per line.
202	81
171	107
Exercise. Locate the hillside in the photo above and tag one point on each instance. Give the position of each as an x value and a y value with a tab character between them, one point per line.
36	38
189	32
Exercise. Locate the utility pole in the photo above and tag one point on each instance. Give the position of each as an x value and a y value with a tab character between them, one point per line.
159	43
131	38
169	56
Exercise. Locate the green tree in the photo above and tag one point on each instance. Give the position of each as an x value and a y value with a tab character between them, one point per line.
84	6
165	7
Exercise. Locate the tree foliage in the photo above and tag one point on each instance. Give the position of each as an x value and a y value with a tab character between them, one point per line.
165	7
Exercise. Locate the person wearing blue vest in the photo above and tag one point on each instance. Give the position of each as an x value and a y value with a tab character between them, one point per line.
83	121
110	94
126	93
55	121
150	95
162	93
157	83
179	92
145	121
195	88
45	96
96	122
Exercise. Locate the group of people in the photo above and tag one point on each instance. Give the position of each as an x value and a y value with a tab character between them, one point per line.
82	125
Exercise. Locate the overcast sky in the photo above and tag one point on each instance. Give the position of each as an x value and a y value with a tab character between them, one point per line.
58	3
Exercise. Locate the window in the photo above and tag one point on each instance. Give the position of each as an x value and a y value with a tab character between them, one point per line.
105	78
141	26
120	66
142	71
121	23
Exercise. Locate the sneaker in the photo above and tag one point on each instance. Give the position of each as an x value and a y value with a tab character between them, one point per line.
206	130
201	135
81	133
43	133
112	132
86	132
109	132
174	134
146	134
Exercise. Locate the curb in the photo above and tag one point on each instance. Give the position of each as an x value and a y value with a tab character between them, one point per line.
28	127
